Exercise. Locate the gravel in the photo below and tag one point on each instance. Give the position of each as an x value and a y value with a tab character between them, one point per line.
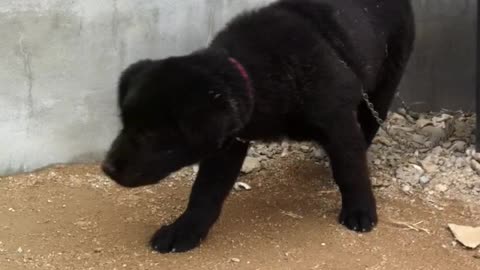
431	153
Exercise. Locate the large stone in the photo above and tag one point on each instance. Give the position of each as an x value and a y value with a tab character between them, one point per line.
251	164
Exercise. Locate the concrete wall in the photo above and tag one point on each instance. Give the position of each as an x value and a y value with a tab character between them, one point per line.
442	72
61	60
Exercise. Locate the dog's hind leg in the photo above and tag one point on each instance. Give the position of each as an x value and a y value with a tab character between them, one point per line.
381	101
214	181
397	54
342	138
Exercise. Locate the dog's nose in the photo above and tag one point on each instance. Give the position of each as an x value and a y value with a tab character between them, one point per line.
108	168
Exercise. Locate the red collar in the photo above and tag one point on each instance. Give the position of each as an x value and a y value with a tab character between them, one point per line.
243	72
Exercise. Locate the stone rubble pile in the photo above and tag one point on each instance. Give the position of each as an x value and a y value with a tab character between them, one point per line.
433	153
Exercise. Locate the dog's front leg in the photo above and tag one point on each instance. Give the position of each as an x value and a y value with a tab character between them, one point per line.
214	181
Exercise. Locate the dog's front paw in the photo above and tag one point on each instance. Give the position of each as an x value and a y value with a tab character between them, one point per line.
181	236
359	217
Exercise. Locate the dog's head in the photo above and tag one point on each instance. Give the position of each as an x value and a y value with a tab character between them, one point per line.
174	113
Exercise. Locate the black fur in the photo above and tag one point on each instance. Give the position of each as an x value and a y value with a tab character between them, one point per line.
307	61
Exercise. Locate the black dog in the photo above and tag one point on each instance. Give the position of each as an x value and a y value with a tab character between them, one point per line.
294	69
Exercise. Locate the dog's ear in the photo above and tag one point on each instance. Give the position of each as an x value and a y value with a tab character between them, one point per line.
128	77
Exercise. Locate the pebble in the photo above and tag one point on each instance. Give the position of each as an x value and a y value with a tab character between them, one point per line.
434	134
441	187
475	165
305	149
319	153
418	168
406	188
235	260
419	139
460	163
447	144
423	122
428	164
250	165
424	179
240	186
459	146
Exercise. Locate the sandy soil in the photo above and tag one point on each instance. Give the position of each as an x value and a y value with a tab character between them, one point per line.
74	218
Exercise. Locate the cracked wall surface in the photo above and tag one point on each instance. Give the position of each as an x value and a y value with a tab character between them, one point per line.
61	61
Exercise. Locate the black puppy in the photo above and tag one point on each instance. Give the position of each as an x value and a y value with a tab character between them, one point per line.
294	69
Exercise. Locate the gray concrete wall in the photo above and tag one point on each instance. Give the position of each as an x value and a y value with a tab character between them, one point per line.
61	60
442	71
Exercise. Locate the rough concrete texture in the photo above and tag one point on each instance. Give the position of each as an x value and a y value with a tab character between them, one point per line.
442	72
61	61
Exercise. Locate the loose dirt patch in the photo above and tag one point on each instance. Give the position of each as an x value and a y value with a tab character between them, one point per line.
74	218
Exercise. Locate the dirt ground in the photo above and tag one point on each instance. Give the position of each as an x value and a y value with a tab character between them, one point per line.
72	217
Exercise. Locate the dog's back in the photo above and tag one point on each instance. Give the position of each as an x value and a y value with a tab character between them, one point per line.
293	46
360	31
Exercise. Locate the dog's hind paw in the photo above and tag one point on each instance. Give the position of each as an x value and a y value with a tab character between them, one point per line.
359	219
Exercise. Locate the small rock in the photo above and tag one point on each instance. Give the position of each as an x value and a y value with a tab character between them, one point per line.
398	116
410	173
418	168
406	188
305	149
419	139
441	187
424	179
459	146
447	144
381	182
475	165
251	165
462	129
235	260
20	250
428	164
384	141
412	160
435	134
422	122
460	163
240	186
285	149
319	153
